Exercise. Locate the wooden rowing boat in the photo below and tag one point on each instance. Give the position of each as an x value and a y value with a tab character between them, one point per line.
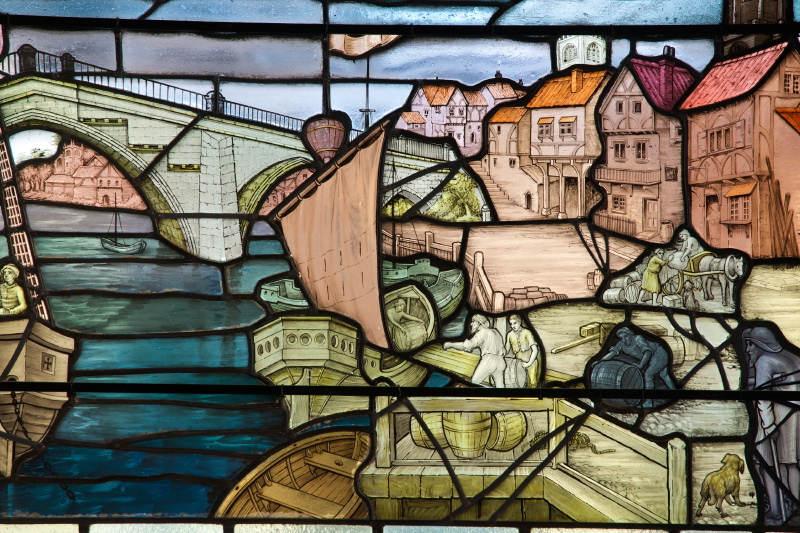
311	478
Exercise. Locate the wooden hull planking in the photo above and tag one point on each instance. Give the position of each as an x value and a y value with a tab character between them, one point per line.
311	478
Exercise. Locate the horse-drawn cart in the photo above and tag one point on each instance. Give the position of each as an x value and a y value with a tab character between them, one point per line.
702	269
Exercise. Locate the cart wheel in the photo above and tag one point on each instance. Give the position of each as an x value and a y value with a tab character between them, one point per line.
673	284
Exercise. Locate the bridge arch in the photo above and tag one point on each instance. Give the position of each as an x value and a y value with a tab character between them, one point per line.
158	196
252	194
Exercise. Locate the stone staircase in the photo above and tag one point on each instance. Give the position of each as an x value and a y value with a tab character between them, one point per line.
505	208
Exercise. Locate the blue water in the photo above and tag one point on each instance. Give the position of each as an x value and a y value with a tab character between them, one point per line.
243	277
103	423
87	463
133	278
90	248
106	315
265	247
255	444
159	497
177	378
213	351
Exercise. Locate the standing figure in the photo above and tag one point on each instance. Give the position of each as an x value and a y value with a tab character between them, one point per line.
650	282
12	297
521	350
490	343
777	440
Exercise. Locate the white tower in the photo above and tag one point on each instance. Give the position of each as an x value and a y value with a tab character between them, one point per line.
580	50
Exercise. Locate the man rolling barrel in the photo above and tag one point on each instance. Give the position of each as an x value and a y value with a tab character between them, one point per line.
490	343
650	357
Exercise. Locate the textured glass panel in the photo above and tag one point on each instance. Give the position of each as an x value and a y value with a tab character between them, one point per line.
155	528
78	8
91	47
278	11
365	13
266	57
613	12
696	53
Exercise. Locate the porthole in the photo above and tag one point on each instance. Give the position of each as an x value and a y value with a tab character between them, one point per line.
319	339
291	338
305	339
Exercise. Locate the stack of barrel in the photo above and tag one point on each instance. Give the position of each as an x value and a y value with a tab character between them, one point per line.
529	296
470	434
624	289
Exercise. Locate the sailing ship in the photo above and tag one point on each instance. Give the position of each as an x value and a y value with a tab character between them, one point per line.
310	478
26	417
116	244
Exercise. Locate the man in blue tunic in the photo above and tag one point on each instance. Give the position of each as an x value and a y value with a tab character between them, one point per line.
649	356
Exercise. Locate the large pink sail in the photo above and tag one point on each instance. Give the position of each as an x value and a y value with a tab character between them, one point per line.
331	231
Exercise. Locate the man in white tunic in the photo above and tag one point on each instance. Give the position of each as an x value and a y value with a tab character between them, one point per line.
490	343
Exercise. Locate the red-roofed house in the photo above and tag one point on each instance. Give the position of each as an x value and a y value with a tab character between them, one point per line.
742	151
642	174
444	109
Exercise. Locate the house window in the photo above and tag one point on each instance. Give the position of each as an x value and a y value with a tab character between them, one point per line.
637	107
619	150
498	130
791	83
641	150
426	112
494	161
620	107
545	128
671	173
618	203
720	139
566	126
512	162
593	53
739	207
451	111
570	53
461	111
438	109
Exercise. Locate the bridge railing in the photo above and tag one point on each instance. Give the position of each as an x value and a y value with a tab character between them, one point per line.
28	59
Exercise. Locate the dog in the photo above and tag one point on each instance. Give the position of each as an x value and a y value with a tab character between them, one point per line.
722	484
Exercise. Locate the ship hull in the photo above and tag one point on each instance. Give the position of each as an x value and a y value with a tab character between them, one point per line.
311	478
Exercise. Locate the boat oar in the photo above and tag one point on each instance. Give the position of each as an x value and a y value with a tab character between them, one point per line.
573	344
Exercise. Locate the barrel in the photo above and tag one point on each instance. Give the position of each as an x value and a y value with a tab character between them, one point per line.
632	292
614	296
508	430
434	423
678	349
621	282
467	433
617	375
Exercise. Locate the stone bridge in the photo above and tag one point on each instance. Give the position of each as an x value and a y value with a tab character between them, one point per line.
186	163
430	161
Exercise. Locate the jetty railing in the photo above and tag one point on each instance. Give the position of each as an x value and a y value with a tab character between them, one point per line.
29	60
400	246
481	294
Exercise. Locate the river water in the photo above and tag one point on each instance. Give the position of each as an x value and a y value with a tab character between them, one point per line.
148	454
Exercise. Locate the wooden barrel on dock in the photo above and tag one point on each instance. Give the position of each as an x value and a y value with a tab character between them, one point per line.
621	282
614	296
467	433
434	423
618	375
632	292
508	430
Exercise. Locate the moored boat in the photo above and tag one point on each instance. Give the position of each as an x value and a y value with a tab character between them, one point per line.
446	286
27	416
313	477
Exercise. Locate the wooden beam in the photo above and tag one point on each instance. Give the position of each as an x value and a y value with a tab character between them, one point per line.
677	482
300	501
333	463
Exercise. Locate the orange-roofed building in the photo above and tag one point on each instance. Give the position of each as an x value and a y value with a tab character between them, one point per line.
412	121
444	109
477	107
564	142
742	151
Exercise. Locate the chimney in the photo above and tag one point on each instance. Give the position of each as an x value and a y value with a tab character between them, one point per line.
576	82
666	80
498	74
669	51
